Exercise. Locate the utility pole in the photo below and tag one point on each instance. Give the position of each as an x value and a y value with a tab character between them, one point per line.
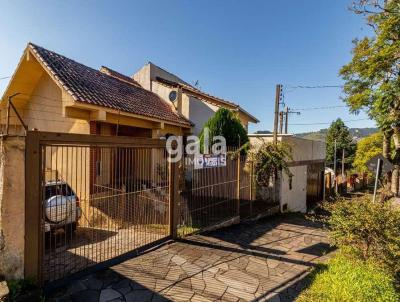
344	178
277	102
334	168
377	174
286	113
286	119
343	174
281	121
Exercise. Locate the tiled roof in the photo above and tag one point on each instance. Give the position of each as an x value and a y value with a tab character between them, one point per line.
88	85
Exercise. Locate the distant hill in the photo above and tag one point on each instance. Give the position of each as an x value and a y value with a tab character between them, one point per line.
320	135
263	132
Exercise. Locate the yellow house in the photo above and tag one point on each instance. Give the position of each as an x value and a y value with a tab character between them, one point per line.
58	94
53	93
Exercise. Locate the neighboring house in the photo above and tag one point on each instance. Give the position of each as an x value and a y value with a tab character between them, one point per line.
308	165
191	102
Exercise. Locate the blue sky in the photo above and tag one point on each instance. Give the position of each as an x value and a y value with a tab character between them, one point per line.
236	50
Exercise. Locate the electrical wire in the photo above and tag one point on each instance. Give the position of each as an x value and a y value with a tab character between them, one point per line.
313	87
319	108
3	78
328	123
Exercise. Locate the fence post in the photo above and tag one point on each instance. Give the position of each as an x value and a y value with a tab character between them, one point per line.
251	188
238	186
174	204
123	208
33	206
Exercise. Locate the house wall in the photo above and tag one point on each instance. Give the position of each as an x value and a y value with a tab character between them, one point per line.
142	76
44	110
200	112
304	149
12	206
304	153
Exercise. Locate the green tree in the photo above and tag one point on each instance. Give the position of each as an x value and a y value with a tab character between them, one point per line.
225	123
340	133
372	78
367	148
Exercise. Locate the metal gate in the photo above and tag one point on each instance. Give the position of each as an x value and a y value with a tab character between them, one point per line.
215	197
98	198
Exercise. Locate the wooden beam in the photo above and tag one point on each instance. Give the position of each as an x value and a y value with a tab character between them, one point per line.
98	115
93	140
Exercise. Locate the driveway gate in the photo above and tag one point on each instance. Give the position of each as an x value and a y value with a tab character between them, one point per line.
91	199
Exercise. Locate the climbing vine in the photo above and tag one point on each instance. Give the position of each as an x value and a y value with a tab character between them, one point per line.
268	160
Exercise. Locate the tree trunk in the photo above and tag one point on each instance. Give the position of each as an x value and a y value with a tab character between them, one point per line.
386	144
387	137
396	161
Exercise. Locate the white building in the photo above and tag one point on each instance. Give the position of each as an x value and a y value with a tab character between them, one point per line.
192	103
307	184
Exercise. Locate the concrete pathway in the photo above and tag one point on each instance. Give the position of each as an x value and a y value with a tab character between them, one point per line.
264	261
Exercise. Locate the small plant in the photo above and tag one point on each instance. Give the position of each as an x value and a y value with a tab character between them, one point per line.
268	160
348	279
24	290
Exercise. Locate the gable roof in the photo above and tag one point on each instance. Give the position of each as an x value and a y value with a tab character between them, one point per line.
107	89
207	97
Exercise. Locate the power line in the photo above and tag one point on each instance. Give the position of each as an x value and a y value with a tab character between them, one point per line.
320	108
328	123
314	87
3	78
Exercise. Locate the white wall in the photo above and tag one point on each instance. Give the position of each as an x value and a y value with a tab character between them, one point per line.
199	113
302	150
305	149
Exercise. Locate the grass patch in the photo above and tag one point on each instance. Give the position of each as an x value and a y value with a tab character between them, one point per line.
186	230
164	229
347	279
157	228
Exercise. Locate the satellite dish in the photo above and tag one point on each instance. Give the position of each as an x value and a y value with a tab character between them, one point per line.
172	95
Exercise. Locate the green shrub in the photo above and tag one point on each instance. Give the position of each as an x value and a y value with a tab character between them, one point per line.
226	123
369	231
347	279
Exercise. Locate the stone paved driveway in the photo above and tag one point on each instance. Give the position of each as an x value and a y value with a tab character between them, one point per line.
264	261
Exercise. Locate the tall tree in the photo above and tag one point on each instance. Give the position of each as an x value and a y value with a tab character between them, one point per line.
372	78
367	148
340	133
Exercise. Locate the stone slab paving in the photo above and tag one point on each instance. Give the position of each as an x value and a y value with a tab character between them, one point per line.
264	261
87	246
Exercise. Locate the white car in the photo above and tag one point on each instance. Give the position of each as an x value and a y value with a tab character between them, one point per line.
60	207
